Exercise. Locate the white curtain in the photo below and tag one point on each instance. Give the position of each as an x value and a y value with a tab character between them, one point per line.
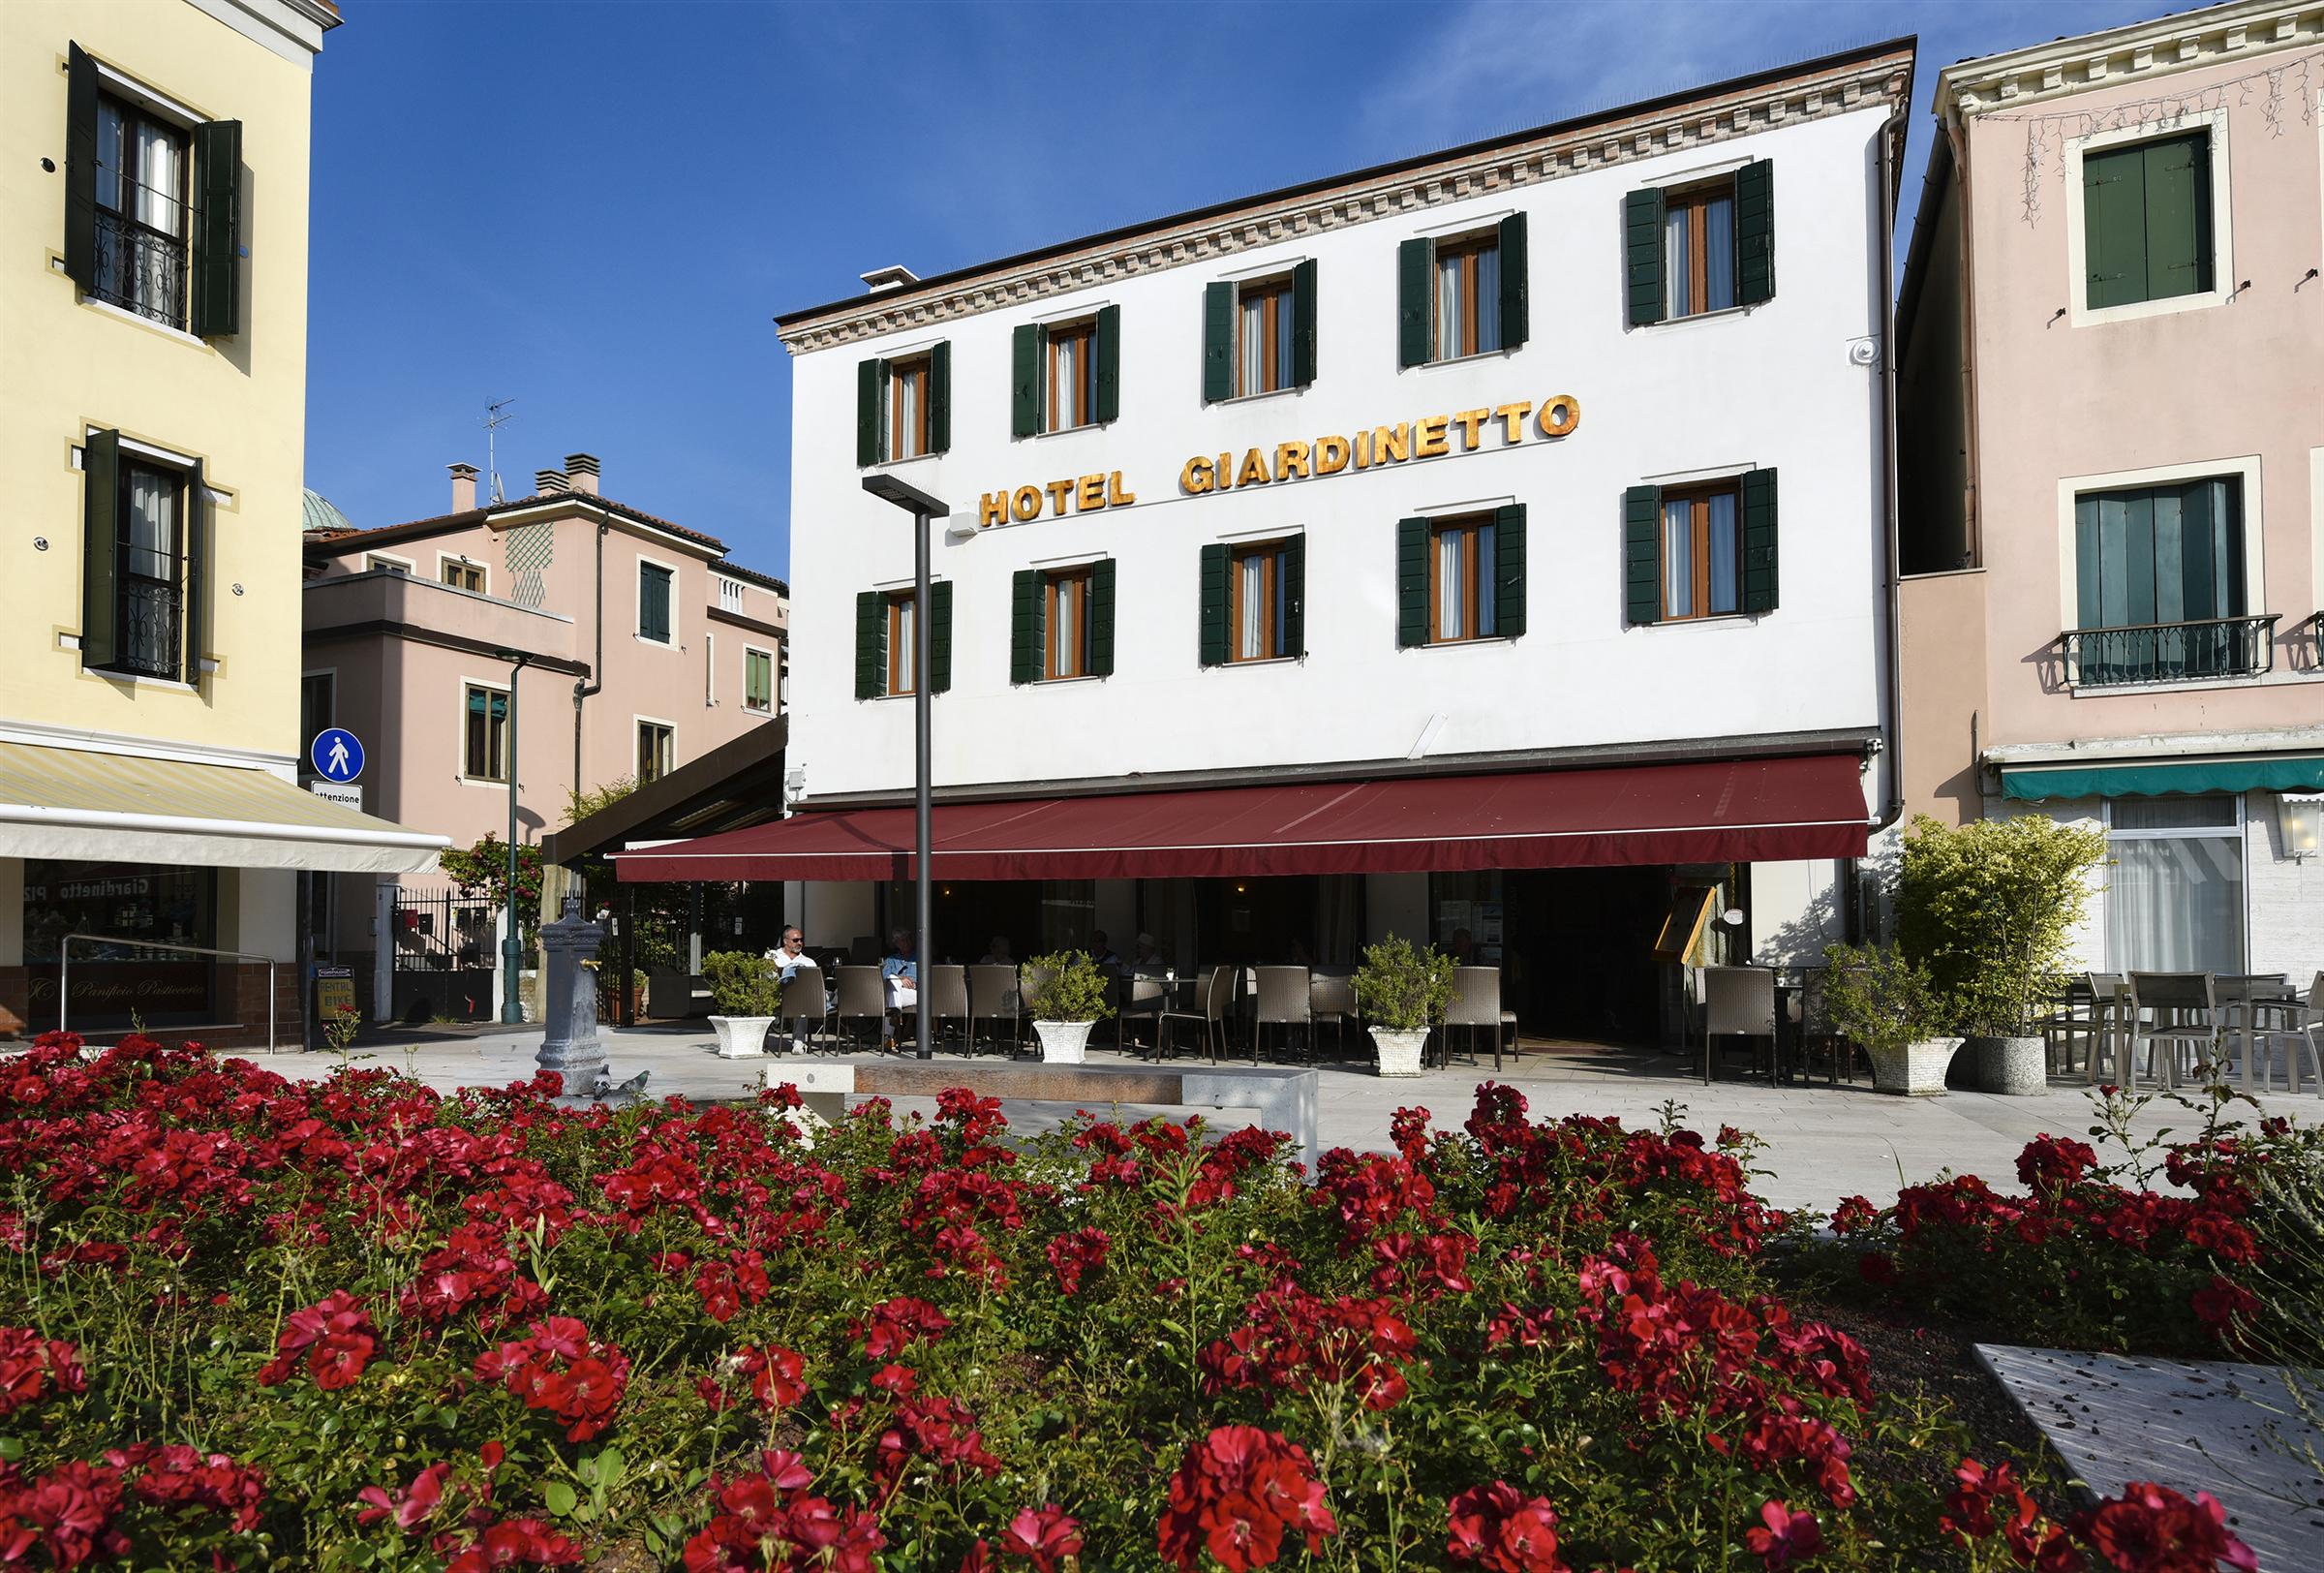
1069	377
1451	602
1724	598
905	667
907	415
1719	253
1678	558
1678	262
1452	309
1250	634
158	174
2176	904
1068	634
1254	345
152	524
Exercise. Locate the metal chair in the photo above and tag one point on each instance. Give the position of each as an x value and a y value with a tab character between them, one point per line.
1811	1026
1285	998
945	996
1217	990
992	997
1739	1001
2298	1026
1143	999
1331	998
862	996
2109	1008
804	1000
1475	1006
2185	1011
2240	995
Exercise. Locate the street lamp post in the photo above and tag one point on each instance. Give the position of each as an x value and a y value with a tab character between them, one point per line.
512	949
922	507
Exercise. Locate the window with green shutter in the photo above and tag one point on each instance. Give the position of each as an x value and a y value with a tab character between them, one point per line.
1026	626
871	644
654	603
2159	580
1099	661
1462	295
1261	601
1689	250
2146	221
758	680
1259	323
1211	644
1412	583
939	636
870	411
1028	356
1692	552
218	230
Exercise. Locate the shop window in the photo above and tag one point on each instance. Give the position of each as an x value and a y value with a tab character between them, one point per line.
656	750
2175	893
485	741
138	911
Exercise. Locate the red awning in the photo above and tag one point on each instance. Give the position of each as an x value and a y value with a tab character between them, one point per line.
1718	812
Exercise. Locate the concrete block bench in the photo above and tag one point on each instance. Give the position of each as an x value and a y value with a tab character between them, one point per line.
1282	1098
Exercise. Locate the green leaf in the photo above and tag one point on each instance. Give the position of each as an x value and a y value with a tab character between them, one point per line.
610	1467
560	1498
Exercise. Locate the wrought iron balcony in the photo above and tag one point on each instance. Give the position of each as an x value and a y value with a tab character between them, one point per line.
149	627
2169	652
141	269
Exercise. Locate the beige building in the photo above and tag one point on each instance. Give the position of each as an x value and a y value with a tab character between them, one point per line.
153	309
643	647
2112	471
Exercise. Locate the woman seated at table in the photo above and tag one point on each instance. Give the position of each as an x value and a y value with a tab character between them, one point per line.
901	971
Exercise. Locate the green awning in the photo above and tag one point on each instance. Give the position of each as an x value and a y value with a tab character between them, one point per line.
2155	777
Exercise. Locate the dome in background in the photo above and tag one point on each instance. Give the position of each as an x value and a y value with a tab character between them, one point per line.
321	517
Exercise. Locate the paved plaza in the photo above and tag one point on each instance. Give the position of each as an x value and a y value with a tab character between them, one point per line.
1823	1142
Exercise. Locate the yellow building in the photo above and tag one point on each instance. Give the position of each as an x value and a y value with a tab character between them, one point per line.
153	322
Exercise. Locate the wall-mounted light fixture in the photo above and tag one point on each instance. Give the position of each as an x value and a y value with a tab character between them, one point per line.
2300	818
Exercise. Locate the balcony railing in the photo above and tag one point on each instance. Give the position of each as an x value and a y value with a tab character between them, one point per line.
2169	652
141	269
149	627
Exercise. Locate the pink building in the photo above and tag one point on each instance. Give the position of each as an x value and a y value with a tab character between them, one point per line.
643	648
2112	471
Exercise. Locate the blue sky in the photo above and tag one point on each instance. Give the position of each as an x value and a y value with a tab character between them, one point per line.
596	209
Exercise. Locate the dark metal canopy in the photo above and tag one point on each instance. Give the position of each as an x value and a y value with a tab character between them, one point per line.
733	787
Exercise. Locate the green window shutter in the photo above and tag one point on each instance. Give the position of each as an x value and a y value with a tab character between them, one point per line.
1412	583
1214	606
2114	227
1642	554
871	644
1759	541
939	636
2178	216
1025	621
2089	608
869	429
1101	618
1295	595
654	603
1219	342
1416	267
939	397
1755	232
1108	338
80	169
1509	570
218	230
100	534
1514	292
1303	323
1024	380
198	571
1642	257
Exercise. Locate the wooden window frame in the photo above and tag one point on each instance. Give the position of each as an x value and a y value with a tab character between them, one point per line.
1073	583
182	665
1695	202
919	367
447	563
1271	628
1698	498
666	755
768	708
1466	249
494	740
1275	294
1085	386
897	680
1480	587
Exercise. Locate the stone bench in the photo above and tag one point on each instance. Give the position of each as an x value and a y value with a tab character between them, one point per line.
1282	1098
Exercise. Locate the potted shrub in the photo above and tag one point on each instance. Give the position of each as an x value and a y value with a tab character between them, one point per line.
1991	910
1881	1001
1401	989
748	995
1070	1000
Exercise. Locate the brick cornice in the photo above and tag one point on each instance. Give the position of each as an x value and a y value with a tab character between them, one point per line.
1816	92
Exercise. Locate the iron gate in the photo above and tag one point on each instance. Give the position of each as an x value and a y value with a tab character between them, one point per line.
444	955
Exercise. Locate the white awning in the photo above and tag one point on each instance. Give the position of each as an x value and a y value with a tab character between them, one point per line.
117	807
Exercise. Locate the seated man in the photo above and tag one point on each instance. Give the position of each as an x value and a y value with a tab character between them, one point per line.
1102	953
901	971
998	954
1149	959
788	959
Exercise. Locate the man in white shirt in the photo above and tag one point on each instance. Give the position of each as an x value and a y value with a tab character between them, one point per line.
787	959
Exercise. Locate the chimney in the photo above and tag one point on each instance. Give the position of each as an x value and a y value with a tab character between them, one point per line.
581	472
880	280
549	482
464	487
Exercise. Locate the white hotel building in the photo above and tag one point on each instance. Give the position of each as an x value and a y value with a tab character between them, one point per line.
1400	552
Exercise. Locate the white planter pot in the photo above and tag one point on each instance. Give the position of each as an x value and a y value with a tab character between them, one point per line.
2015	1066
741	1037
1399	1051
1063	1042
1915	1070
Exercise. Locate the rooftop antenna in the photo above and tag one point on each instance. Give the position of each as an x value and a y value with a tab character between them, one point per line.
494	421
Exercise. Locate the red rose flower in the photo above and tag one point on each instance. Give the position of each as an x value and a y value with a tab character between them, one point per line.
1502	1531
1785	1535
